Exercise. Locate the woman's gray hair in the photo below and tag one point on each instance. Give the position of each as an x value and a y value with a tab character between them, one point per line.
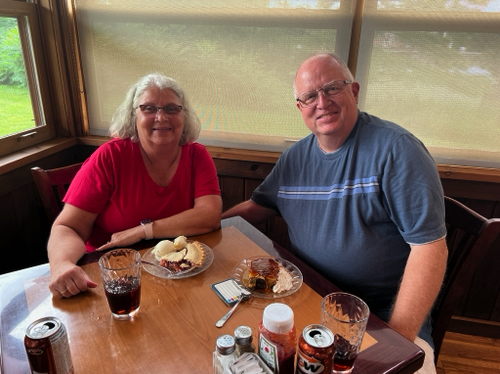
123	123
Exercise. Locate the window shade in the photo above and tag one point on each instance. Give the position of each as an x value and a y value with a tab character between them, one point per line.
236	60
433	67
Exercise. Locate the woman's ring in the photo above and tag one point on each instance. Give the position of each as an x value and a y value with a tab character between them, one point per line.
62	292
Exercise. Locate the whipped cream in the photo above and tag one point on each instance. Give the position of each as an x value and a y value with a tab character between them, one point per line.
284	282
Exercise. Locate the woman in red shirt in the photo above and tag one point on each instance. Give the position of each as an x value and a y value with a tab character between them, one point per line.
151	181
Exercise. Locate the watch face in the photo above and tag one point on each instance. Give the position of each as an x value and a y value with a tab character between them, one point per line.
145	221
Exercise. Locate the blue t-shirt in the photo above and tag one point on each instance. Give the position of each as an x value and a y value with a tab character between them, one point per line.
352	214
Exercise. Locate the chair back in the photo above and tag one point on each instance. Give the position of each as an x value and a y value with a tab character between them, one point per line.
469	238
52	185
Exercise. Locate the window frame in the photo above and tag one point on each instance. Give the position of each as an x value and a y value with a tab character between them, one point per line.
36	76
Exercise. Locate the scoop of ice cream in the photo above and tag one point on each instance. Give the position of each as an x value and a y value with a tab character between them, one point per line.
284	282
162	249
180	242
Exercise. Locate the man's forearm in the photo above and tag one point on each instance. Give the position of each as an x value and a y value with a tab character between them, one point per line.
419	287
250	211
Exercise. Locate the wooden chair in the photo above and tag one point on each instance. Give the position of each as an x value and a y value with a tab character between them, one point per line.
52	185
469	238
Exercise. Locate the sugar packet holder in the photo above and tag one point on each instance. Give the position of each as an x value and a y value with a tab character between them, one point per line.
228	290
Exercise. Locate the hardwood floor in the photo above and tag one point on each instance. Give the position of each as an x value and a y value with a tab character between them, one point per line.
462	354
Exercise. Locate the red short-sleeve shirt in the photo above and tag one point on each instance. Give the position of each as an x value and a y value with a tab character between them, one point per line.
114	183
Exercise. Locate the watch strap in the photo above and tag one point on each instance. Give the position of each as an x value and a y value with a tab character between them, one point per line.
147	225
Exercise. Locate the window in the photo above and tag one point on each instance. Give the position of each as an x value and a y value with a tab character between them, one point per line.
236	60
23	113
429	65
432	67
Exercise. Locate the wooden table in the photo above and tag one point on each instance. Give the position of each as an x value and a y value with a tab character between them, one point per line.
174	331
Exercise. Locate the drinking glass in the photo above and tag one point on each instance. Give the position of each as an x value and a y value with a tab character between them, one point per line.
121	278
346	316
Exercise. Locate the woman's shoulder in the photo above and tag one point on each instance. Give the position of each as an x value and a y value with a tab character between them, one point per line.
195	148
114	150
116	146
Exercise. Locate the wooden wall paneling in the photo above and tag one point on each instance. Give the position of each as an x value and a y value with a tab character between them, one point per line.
496	209
484	207
471	189
243	169
34	231
484	291
11	235
278	230
232	191
250	185
23	221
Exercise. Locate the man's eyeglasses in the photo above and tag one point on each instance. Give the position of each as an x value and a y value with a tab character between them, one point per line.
167	109
330	90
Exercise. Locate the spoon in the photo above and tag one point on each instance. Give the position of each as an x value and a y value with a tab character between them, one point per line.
244	295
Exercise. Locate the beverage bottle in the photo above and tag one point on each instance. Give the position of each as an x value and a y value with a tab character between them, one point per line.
224	354
277	338
243	340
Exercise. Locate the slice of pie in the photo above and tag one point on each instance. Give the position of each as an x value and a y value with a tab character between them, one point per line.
189	256
263	273
195	254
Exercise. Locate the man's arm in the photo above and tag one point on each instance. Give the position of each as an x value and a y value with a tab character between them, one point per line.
422	279
251	212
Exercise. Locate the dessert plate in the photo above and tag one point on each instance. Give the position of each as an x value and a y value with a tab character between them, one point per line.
159	271
240	274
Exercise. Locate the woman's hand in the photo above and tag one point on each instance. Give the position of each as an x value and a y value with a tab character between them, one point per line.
124	238
66	245
68	280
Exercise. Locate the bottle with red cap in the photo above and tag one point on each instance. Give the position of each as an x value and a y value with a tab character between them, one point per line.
277	338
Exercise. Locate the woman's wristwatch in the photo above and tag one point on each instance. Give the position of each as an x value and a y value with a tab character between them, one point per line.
147	225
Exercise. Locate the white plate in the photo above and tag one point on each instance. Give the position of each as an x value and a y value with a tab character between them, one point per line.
240	273
162	272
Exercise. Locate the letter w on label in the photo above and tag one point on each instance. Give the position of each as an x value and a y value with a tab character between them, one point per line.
310	366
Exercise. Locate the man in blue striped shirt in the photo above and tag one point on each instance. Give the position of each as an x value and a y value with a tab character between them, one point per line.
362	200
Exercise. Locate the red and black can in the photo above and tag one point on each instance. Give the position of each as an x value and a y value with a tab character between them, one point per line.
315	353
47	347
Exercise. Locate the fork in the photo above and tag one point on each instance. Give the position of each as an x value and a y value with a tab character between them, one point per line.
167	269
243	295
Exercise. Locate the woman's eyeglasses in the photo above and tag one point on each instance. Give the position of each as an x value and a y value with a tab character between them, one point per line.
167	109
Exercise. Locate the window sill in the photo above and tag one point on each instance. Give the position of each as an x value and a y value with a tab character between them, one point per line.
21	158
24	157
446	171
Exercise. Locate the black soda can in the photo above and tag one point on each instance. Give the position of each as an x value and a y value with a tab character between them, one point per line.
47	347
315	350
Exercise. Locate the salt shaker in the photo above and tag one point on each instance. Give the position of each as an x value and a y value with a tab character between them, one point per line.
224	354
243	340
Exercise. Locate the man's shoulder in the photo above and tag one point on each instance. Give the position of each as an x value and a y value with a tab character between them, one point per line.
302	145
372	122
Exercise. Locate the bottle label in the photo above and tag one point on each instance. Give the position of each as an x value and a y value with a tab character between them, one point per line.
269	353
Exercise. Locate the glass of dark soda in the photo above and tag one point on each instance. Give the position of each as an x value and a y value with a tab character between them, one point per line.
346	316
121	278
